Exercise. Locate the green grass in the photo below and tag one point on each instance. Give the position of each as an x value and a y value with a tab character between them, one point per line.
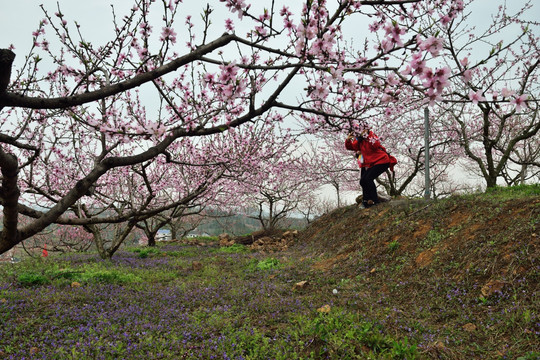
147	251
87	274
244	304
510	192
234	249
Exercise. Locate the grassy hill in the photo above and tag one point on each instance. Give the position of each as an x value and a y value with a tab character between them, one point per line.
463	273
410	279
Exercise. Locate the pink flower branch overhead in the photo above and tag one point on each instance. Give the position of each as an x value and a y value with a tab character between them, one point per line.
74	91
489	101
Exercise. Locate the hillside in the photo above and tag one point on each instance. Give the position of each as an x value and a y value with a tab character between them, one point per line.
449	279
464	271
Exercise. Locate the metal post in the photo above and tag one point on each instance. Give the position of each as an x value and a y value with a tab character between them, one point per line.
427	192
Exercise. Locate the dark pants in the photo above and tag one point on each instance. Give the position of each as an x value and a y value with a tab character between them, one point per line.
367	181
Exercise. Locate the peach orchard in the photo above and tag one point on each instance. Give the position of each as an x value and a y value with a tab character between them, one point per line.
165	117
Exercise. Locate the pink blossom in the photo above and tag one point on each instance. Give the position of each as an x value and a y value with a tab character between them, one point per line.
506	93
229	25
265	16
406	71
337	73
386	98
393	31
288	25
146	29
475	97
373	27
299	46
236	5
261	30
417	64
433	96
519	101
320	92
168	34
445	19
436	80
208	78
467	75
310	32
386	45
432	44
464	62
392	79
228	72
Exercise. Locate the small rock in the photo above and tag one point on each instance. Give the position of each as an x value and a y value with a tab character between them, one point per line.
300	285
225	240
439	345
325	309
289	235
470	327
492	287
334	291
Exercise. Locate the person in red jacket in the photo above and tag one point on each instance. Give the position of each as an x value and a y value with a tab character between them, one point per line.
373	160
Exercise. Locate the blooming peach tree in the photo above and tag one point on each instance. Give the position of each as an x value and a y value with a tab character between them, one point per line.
490	77
70	93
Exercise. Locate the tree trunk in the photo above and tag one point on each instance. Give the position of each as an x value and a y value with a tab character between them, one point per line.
6	61
491	181
152	240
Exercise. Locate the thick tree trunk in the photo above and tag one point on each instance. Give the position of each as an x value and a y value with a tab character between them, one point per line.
6	61
10	169
152	240
9	192
491	181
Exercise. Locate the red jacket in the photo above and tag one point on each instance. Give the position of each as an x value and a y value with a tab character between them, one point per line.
373	152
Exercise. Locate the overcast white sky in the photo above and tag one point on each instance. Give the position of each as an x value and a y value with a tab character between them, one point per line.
19	18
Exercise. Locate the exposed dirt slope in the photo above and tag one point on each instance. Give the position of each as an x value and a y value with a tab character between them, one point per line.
463	270
446	238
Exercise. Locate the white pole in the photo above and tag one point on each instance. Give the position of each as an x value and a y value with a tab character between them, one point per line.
427	192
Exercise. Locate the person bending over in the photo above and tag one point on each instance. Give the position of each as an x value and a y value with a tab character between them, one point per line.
373	160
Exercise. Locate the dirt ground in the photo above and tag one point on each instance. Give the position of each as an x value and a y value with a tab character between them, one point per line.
464	270
431	234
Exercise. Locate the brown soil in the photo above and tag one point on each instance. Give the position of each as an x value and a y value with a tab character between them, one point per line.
465	270
463	231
